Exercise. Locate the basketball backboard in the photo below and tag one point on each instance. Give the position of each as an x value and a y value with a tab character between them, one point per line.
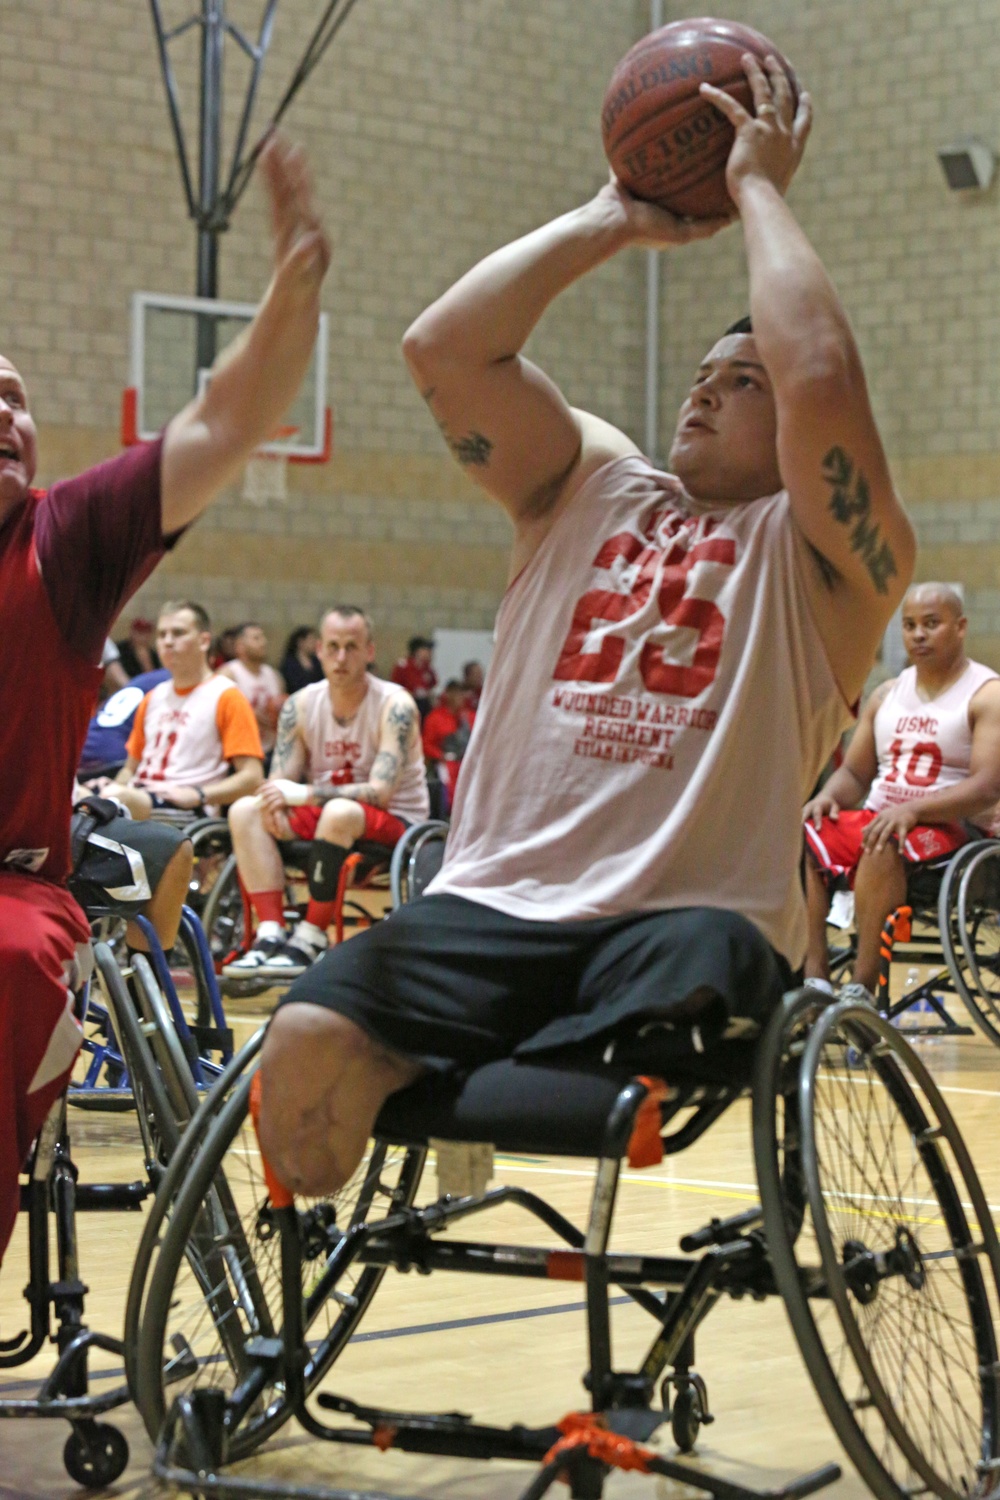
173	343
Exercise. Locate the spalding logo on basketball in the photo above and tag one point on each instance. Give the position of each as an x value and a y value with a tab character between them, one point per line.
664	141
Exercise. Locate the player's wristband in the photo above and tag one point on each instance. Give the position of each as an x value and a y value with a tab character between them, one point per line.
201	795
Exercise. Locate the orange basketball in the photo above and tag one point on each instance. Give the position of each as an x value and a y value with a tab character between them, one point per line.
664	141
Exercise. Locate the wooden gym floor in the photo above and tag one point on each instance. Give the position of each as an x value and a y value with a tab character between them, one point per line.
506	1350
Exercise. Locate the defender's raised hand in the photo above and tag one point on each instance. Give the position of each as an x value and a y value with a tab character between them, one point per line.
771	141
301	246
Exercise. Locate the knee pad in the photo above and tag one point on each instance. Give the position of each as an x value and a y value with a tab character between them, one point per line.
323	869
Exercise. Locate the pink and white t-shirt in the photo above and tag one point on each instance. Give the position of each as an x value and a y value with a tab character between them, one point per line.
925	746
265	693
658	706
342	753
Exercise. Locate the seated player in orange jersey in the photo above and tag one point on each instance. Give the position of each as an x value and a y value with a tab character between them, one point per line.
195	742
926	760
348	765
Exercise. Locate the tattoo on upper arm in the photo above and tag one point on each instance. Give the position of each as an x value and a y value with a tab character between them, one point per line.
402	717
851	504
288	721
473	450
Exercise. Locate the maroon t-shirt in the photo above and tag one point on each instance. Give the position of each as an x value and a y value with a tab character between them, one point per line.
69	559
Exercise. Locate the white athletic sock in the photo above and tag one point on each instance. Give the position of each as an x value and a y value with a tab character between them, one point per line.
270	930
307	935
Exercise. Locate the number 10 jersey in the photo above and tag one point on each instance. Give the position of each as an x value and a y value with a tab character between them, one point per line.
658	706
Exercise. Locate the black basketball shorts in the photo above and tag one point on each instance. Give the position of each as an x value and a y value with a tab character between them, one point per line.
450	982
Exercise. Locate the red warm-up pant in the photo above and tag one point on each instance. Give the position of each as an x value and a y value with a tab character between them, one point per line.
41	927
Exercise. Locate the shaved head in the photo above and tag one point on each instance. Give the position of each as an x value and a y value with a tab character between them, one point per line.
922	595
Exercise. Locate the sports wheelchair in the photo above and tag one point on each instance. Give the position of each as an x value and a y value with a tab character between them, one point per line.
951	924
228	917
872	1227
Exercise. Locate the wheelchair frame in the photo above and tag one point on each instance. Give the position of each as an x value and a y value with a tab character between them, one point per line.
749	1255
147	1041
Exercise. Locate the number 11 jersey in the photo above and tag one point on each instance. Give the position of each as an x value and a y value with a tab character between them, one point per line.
658	706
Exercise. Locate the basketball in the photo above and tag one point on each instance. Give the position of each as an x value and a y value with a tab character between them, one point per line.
664	141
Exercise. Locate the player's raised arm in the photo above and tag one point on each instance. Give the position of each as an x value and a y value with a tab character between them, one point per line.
829	450
255	381
504	420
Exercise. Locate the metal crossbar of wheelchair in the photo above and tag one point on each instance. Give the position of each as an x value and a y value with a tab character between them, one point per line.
95	1452
283	1355
732	1262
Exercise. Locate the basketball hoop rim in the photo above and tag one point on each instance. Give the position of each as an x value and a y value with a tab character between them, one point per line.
131	436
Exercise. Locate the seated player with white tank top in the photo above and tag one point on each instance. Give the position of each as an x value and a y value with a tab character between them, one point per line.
194	745
675	658
924	763
348	765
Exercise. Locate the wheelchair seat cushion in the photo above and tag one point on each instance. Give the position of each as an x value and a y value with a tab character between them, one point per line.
456	984
552	1109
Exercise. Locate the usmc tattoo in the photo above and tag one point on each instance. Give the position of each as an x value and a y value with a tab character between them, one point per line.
851	504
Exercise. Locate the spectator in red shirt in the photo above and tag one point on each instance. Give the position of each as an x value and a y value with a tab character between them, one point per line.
69	560
446	732
415	673
472	682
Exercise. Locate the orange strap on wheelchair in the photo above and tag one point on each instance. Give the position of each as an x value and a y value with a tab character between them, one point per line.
645	1147
586	1429
898	928
279	1195
347	869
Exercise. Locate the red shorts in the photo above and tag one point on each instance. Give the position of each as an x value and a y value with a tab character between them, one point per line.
380	827
836	844
41	927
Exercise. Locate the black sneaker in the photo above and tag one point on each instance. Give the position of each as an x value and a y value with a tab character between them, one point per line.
253	963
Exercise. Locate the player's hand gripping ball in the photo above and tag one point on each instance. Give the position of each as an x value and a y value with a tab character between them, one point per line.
665	142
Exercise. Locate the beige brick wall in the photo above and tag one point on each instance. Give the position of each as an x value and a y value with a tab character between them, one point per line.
438	129
916	265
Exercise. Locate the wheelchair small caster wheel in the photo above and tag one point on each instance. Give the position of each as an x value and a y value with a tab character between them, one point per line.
686	1418
95	1457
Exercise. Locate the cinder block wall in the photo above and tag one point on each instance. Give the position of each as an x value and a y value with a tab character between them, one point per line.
918	266
437	129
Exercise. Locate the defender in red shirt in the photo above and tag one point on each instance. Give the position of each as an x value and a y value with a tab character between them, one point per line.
69	559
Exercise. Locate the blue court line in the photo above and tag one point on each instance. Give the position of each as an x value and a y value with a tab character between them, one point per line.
11	1387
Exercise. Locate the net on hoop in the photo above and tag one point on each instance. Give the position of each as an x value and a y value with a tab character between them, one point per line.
265	477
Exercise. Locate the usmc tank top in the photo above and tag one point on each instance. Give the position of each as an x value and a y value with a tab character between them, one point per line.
657	708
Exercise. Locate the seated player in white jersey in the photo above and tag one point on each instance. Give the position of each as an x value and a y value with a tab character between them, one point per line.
194	745
924	764
261	684
675	656
348	765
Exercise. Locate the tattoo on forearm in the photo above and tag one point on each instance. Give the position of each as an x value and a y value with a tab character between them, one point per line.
288	721
473	450
402	717
851	505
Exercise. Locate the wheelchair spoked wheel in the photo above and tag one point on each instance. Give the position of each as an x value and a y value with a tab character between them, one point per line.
212	846
165	1044
978	922
222	917
890	1283
159	1127
216	1281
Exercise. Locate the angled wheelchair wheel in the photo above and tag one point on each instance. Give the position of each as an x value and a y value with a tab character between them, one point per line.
416	859
978	923
222	915
212	846
891	1281
159	1126
216	1283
